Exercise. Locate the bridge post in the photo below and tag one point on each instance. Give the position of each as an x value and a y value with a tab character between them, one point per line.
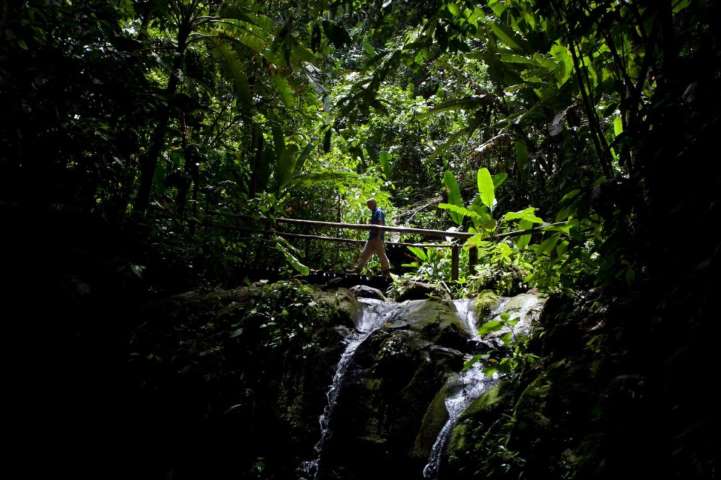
472	260
455	251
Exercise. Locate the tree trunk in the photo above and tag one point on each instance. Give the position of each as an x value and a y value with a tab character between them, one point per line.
150	159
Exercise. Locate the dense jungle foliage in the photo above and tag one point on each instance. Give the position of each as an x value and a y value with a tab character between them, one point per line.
146	148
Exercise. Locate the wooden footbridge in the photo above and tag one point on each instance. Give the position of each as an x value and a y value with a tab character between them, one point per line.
270	227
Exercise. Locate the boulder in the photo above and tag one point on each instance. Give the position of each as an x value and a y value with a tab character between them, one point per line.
436	320
390	407
414	290
364	291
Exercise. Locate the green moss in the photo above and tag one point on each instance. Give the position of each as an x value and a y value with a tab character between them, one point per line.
457	441
485	402
433	420
484	303
373	384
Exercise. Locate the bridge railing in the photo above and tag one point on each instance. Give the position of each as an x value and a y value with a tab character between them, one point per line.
455	246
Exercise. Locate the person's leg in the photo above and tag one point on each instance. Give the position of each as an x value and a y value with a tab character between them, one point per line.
364	256
380	250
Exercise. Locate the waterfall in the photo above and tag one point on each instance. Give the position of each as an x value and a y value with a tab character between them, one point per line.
373	315
472	381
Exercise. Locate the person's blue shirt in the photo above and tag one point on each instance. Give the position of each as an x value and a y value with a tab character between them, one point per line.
377	218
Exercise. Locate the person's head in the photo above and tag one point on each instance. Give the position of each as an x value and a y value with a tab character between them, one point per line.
372	205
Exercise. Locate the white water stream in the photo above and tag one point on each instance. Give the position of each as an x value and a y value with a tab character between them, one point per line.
374	314
473	382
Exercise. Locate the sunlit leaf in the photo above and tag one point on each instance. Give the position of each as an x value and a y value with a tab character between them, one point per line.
507	36
565	63
527	214
524	240
485	187
385	161
419	252
490	327
454	196
282	246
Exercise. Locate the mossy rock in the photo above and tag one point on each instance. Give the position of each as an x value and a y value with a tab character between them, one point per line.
433	420
406	289
479	409
420	314
345	306
436	320
484	303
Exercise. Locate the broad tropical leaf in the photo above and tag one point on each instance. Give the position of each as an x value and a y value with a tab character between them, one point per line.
486	188
454	197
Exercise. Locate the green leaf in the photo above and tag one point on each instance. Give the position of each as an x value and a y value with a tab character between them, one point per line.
458	210
285	164
515	58
476	241
497	6
453	9
325	178
565	63
490	327
521	152
234	70
284	89
503	250
486	188
454	197
466	103
548	245
419	252
484	218
385	160
507	36
570	195
562	247
680	5
499	179
617	126
524	240
475	16
300	161
298	266
527	214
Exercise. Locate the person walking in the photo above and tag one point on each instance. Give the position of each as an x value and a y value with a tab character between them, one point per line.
375	241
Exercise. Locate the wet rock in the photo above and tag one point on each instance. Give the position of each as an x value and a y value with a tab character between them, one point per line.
520	310
420	290
344	307
389	409
433	420
364	291
484	303
437	321
224	379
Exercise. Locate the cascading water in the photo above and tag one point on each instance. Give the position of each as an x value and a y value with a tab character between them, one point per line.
373	315
473	382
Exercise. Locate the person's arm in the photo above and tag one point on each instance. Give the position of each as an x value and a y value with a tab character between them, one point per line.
376	220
